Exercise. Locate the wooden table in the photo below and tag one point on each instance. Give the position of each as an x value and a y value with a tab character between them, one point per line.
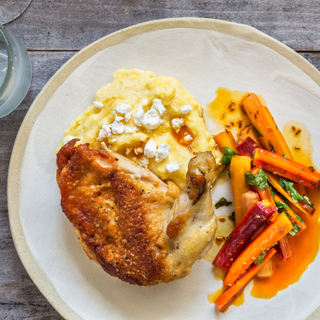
54	30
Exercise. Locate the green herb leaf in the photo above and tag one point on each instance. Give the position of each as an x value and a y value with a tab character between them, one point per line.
285	156
294	230
232	216
228	154
259	180
260	259
299	219
223	202
272	193
258	133
295	195
281	205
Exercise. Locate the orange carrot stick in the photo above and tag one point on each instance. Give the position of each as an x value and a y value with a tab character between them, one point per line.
302	205
226	139
238	167
248	131
270	136
268	238
226	299
287	168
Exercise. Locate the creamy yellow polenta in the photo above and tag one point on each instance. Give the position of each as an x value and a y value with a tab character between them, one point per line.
137	88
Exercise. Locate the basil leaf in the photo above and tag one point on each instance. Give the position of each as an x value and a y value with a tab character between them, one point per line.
232	216
228	154
259	180
223	202
294	230
281	205
295	195
260	259
299	219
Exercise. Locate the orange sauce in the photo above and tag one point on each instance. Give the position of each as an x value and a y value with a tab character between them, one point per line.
305	246
183	132
226	111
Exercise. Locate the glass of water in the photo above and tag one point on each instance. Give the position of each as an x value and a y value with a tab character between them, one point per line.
15	72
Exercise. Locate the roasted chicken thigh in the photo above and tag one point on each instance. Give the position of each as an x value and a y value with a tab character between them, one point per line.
137	227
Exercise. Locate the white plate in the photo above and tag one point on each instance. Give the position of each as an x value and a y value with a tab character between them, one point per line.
204	55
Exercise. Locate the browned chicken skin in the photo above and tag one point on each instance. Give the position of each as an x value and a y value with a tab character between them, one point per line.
137	227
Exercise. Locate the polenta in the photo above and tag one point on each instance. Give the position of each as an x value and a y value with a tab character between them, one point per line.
151	119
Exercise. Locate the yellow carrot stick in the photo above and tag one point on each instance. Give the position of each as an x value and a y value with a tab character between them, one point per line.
238	167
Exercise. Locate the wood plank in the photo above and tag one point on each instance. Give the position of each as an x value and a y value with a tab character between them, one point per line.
73	24
19	297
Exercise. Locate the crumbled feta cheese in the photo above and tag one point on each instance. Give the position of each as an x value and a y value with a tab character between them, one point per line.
157	104
188	138
172	167
117	127
127	116
128	151
138	151
186	109
67	139
122	109
151	119
162	152
103	146
98	104
138	116
105	132
117	118
113	140
150	149
130	129
144	162
144	102
177	124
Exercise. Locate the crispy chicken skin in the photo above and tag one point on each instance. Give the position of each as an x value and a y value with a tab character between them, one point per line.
137	227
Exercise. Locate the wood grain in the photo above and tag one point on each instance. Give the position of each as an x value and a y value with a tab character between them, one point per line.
53	30
73	24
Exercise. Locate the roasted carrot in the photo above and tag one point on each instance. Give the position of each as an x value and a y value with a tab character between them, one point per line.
241	235
293	217
249	199
226	299
269	135
238	167
225	139
268	238
303	205
248	131
287	168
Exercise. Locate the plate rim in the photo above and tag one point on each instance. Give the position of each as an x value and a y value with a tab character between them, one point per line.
13	184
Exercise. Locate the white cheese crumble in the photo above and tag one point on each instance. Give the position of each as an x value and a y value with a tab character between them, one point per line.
128	129
105	132
157	104
151	119
117	118
67	139
138	116
163	152
117	127
98	104
172	167
188	138
113	140
150	149
122	109
177	124
127	116
186	109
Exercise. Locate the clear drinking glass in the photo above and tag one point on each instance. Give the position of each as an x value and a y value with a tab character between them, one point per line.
12	9
15	72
